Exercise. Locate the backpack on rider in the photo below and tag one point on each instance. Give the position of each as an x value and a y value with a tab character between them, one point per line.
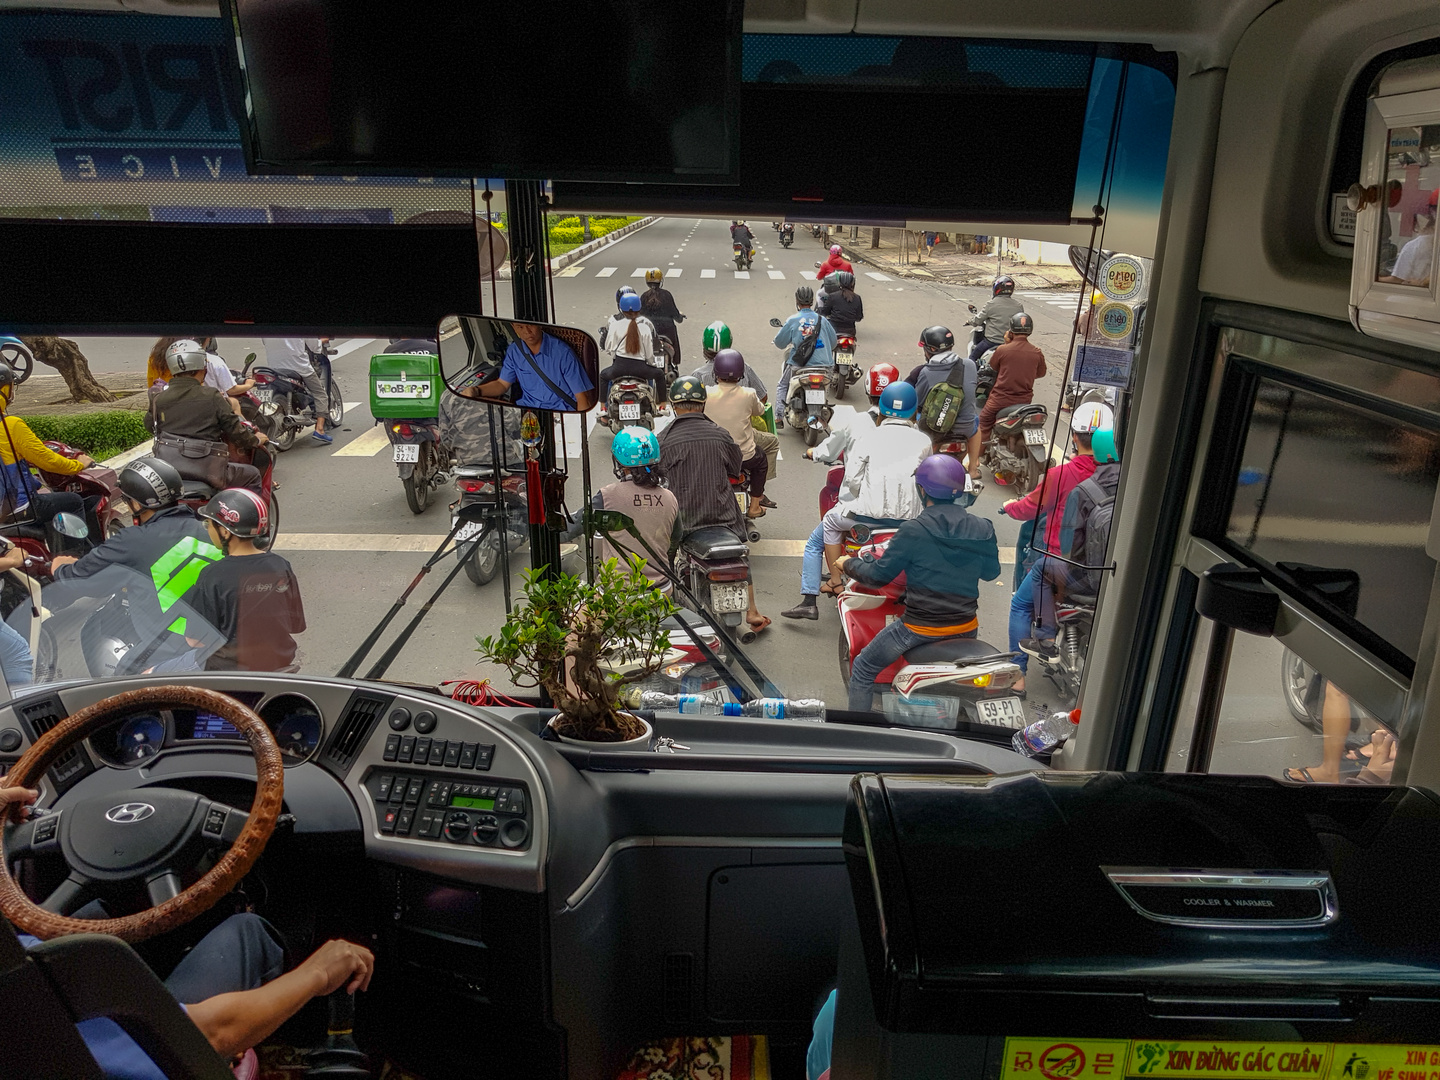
944	401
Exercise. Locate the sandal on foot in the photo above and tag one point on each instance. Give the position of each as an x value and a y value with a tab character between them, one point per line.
759	627
1299	776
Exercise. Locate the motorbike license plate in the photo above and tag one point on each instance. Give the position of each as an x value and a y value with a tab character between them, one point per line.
729	597
629	410
413	388
814	397
1002	712
469	531
1034	436
845	359
263	395
407	452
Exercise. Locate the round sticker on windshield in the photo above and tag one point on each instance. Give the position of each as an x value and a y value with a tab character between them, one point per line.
1115	320
1122	277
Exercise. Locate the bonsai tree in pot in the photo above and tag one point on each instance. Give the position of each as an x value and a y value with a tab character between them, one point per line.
567	635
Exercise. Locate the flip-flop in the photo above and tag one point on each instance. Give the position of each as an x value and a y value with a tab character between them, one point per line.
1299	776
761	626
829	588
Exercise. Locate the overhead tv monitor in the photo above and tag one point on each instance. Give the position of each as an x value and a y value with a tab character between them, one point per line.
549	89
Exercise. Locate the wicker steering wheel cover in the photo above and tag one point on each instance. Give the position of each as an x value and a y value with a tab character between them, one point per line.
221	878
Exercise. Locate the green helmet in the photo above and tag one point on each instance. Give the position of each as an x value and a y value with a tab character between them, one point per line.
688	388
717	337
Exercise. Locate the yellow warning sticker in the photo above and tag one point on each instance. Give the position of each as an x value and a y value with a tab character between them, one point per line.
1154	1059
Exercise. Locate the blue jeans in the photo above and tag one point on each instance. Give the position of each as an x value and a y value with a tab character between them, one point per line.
1031	596
15	659
888	646
812	563
982	346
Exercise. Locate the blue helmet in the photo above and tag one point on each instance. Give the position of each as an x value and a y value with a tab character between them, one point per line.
942	477
635	447
630	302
898	399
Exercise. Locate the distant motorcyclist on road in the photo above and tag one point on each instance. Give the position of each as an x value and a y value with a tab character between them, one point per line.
995	316
631	341
189	410
944	553
879	486
841	305
804	323
835	261
1017	364
938	345
740	234
291	356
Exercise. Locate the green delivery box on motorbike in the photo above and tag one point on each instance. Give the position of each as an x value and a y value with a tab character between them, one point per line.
405	386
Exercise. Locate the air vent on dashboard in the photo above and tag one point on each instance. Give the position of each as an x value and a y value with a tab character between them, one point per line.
40	716
361	714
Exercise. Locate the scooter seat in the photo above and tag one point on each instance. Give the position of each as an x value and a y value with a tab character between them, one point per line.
196	489
715	542
947	650
1017	410
29	529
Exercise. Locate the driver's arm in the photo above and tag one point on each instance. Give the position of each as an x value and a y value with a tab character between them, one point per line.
493	388
235	1022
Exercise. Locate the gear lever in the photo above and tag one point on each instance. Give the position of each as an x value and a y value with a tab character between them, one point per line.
339	1058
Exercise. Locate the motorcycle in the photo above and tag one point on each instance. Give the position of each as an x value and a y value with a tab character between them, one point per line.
787	234
959	684
420	458
1073	619
847	372
1019	448
714	564
686	669
478	543
631	403
744	255
287	407
808	408
17	354
196	493
106	509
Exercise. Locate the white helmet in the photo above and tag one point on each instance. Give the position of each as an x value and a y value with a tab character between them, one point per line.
185	355
1092	416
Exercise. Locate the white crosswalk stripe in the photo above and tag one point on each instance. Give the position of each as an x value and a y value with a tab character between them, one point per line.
707	273
640	271
877	275
571	271
675	271
742	274
776	275
607	271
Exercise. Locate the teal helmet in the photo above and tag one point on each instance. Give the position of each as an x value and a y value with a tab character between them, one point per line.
635	448
1103	445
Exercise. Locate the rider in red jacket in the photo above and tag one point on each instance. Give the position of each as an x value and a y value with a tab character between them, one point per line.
834	263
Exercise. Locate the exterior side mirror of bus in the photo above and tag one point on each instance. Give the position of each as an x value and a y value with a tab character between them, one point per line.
1237	597
776	322
548	366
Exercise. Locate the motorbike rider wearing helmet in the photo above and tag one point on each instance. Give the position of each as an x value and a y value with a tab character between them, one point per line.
848	423
879	487
188	409
841	305
835	261
716	337
938	345
996	315
698	458
632	343
155	561
1027	602
944	553
1017	364
291	356
805	322
639	493
622	291
248	603
732	406
740	234
659	306
20	448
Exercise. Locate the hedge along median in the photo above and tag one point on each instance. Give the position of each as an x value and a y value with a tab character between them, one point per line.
100	434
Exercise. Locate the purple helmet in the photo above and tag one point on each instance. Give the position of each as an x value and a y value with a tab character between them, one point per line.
729	365
942	477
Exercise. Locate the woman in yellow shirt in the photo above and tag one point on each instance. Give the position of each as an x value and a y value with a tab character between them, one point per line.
19	449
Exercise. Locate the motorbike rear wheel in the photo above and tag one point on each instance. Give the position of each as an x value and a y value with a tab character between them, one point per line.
841	385
482	562
417	484
284	437
336	412
1026	484
844	657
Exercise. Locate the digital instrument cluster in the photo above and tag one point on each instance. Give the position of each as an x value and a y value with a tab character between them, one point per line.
293	719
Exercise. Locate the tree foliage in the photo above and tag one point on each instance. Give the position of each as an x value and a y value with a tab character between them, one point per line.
567	629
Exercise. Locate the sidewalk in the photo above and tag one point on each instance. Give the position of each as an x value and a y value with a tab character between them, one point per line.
944	264
47	395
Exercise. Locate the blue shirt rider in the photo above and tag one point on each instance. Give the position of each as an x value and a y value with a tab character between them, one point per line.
805	322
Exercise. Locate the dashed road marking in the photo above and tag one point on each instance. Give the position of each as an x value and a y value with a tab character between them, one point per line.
745	274
640	271
366	444
571	271
675	271
607	271
776	275
877	275
707	273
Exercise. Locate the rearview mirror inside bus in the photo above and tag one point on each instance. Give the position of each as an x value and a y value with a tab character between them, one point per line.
527	365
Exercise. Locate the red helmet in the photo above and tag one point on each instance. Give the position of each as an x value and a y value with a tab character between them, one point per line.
879	377
239	511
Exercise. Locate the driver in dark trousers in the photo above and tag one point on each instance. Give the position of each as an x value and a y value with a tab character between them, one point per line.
189	409
233	984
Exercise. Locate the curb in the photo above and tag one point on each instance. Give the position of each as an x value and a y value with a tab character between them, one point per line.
584	251
122	459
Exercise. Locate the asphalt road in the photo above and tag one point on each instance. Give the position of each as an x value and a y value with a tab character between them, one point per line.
355	546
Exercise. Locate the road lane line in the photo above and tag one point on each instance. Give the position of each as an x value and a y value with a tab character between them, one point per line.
607	271
776	275
571	271
707	273
639	271
350	346
350	406
742	275
675	271
877	276
366	444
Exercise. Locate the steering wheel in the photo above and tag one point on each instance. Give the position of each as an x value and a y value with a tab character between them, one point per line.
109	840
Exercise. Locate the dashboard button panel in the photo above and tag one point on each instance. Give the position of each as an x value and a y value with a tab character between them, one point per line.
450	809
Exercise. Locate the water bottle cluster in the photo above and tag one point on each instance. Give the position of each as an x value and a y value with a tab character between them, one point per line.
711	705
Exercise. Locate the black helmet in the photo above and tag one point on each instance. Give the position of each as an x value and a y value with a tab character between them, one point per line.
1003	285
623	290
934	339
846	279
239	511
1020	323
688	388
804	296
150	483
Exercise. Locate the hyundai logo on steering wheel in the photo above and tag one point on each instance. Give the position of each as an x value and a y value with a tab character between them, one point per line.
130	812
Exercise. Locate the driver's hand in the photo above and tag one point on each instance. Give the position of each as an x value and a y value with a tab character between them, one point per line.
340	963
61	560
85	461
262	437
15	803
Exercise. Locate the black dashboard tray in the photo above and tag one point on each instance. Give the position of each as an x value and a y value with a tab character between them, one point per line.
1148	901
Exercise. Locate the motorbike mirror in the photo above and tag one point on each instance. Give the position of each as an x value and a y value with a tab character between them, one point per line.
775	322
973	308
549	367
817	262
71	525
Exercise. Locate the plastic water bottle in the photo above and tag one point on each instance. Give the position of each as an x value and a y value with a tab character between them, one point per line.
708	705
775	708
1046	734
685	704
